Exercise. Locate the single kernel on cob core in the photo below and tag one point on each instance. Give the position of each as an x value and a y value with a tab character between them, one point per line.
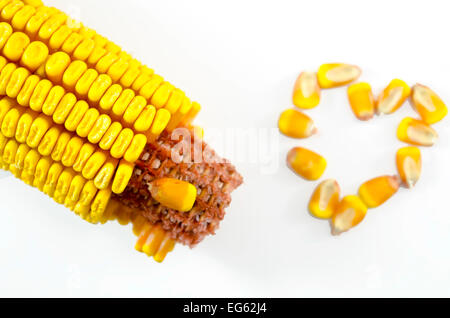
409	165
295	124
175	194
306	91
392	97
350	211
416	132
428	104
337	74
306	163
361	100
378	190
325	199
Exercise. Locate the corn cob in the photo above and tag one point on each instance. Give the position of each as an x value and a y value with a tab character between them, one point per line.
88	125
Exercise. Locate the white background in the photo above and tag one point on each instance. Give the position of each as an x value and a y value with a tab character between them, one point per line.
240	59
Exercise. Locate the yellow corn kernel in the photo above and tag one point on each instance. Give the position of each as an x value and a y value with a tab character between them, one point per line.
41	172
85	153
378	190
99	128
112	47
136	147
3	142
105	174
93	164
337	74
175	120
72	41
325	199
175	101
76	186
10	122
34	55
18	78
306	91
85	82
160	122
30	162
393	96
39	95
88	121
21	153
129	76
49	141
162	94
166	246
27	90
96	55
61	143
11	9
134	109
53	99
15	46
349	212
56	65
122	177
5	76
81	210
145	119
3	62
295	124
99	87
428	104
409	165
52	178
88	193
37	130
5	32
151	86
86	32
73	73
187	120
154	240
140	81
173	193
64	108
51	25
110	136
6	104
99	204
306	163
416	132
9	152
22	16
122	102
71	152
361	100
122	142
76	115
118	69
105	62
143	234
59	37
63	185
83	50
110	97
24	125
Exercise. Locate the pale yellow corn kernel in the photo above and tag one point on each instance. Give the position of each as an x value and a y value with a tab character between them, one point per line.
85	82
27	90
6	104
140	81
136	147
19	158
10	121
189	117
99	87
173	193
122	143
52	178
34	55
166	246
73	73
15	46
63	183
72	41
337	74
58	38
16	82
162	94
129	76
76	115
416	132
30	162
118	69
325	199
39	95
41	172
295	124
85	153
99	128
61	143
361	100
20	19
88	193
143	235
49	141
105	62
122	102
24	125
5	76
151	86
134	109
392	97
5	32
175	101
306	163
378	190
110	136
409	165
160	122
64	108
37	130
110	97
99	204
105	174
428	104
56	65
53	99
175	120
138	221
83	50
76	186
306	91
11	9
122	176
51	25
71	152
145	119
96	55
350	211
93	164
153	242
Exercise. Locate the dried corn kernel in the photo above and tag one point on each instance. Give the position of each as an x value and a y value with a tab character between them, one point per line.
99	87
60	146
24	125
49	141
99	128
306	163
361	100
18	78
409	165
306	91
110	136
37	130
27	90
15	46
99	204
416	132
135	148
110	97
34	55
88	121
428	104
76	115
56	65
105	174
53	99
122	142
295	124
325	199
378	190
64	108
93	164
73	73
122	177
349	213
337	74
85	153
393	96
175	194
145	119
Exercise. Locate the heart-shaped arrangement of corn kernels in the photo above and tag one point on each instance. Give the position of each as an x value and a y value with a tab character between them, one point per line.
326	202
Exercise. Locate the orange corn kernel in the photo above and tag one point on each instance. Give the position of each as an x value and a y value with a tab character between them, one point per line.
173	193
428	104
295	124
349	213
416	132
306	91
392	97
409	165
361	100
337	74
306	163
325	199
378	190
